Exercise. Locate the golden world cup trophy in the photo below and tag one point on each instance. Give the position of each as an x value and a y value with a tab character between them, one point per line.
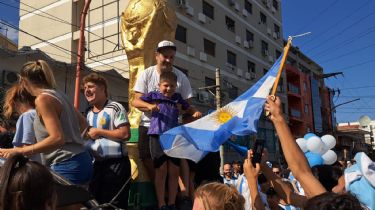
144	23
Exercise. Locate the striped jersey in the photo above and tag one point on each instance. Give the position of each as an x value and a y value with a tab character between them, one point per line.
111	117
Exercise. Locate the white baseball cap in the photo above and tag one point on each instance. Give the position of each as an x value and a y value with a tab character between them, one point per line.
165	44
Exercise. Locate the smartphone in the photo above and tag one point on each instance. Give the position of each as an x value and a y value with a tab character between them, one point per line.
257	151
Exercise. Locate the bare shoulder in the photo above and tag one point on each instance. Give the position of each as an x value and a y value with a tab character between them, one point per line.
46	100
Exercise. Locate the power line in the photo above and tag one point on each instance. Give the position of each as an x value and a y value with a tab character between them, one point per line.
347	41
56	46
352	12
54	18
342	31
317	16
346	54
356	65
360	87
358	96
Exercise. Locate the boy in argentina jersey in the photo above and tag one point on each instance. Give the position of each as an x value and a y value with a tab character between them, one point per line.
108	132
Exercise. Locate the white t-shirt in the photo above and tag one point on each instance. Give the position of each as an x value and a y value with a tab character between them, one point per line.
148	81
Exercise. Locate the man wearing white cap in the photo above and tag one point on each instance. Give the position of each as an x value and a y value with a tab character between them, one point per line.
146	82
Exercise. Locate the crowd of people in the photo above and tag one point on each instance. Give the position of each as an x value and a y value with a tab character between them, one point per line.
90	150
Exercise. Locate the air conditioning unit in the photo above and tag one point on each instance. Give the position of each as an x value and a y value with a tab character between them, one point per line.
269	4
251	43
191	51
265	52
238	39
247	75
9	77
229	66
275	35
181	4
237	7
195	93
239	72
245	13
273	9
268	31
252	75
270	59
202	17
190	11
203	56
246	44
203	96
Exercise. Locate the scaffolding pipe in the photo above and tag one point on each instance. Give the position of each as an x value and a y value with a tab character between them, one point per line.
80	53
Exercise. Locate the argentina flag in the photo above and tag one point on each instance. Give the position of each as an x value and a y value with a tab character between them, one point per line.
240	117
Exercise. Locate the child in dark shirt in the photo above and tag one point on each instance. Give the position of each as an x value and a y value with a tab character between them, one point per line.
165	106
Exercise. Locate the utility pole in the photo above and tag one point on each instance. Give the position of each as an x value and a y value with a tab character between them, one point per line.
218	106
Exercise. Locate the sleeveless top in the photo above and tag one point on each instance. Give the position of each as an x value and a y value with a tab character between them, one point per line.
70	127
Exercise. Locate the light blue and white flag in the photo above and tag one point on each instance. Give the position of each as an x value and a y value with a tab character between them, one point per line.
360	180
240	117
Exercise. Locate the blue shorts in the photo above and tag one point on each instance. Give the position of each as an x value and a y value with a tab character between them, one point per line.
77	169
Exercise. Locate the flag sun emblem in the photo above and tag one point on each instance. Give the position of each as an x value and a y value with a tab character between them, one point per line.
223	115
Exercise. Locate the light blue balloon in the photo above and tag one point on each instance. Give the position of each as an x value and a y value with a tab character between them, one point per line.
308	135
314	159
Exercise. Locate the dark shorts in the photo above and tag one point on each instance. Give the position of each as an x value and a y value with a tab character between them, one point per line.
157	154
143	143
110	175
192	165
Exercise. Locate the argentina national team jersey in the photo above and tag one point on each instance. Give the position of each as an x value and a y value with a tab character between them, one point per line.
112	116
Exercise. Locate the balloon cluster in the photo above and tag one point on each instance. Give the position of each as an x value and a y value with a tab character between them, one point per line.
318	149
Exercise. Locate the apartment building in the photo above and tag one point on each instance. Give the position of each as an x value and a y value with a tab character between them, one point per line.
309	100
241	37
6	43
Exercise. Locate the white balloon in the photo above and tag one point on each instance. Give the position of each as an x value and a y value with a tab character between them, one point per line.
302	144
314	144
329	141
323	150
329	157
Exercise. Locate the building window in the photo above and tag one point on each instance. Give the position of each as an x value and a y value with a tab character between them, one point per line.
233	92
263	18
264	48
231	58
209	81
208	10
277	53
265	71
181	34
209	47
250	67
231	25
276	29
283	107
248	7
304	86
249	36
275	4
306	109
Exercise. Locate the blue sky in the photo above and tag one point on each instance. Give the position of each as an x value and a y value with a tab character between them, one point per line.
342	39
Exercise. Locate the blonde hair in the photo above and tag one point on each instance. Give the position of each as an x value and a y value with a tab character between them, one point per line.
17	94
218	196
39	73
